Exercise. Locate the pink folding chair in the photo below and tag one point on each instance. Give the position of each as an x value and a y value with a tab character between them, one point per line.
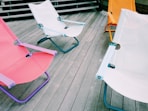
18	65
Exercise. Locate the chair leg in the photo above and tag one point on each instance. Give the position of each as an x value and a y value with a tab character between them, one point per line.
108	29
65	51
105	101
30	95
42	40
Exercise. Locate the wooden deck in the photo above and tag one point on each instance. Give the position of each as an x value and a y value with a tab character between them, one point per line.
73	86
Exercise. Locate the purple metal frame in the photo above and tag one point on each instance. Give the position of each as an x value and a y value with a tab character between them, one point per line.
30	95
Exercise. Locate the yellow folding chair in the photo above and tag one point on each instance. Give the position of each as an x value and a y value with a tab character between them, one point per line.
114	8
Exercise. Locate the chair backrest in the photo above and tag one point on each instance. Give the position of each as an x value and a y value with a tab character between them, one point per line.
45	14
115	6
10	53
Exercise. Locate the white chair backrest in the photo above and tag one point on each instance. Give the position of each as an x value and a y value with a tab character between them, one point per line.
45	14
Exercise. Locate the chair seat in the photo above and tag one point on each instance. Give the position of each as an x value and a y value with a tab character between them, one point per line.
30	68
74	30
71	31
115	7
131	85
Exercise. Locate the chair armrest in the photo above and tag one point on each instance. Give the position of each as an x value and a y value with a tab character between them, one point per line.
111	18
70	21
106	61
7	81
53	52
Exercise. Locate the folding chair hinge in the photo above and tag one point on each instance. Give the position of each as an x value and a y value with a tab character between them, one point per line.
116	45
40	25
17	42
111	66
60	18
29	55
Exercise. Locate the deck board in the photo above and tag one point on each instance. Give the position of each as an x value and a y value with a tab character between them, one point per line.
73	86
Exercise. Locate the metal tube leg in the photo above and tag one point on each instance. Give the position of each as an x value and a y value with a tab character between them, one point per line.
105	101
30	95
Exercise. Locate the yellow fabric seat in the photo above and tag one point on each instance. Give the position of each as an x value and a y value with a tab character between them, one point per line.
114	9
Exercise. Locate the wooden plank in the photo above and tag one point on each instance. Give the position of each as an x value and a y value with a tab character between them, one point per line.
130	103
141	106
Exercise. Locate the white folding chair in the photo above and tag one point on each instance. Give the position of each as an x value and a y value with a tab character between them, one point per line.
124	67
53	25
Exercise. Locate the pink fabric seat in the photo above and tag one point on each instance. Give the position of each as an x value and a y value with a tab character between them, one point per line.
18	64
30	68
